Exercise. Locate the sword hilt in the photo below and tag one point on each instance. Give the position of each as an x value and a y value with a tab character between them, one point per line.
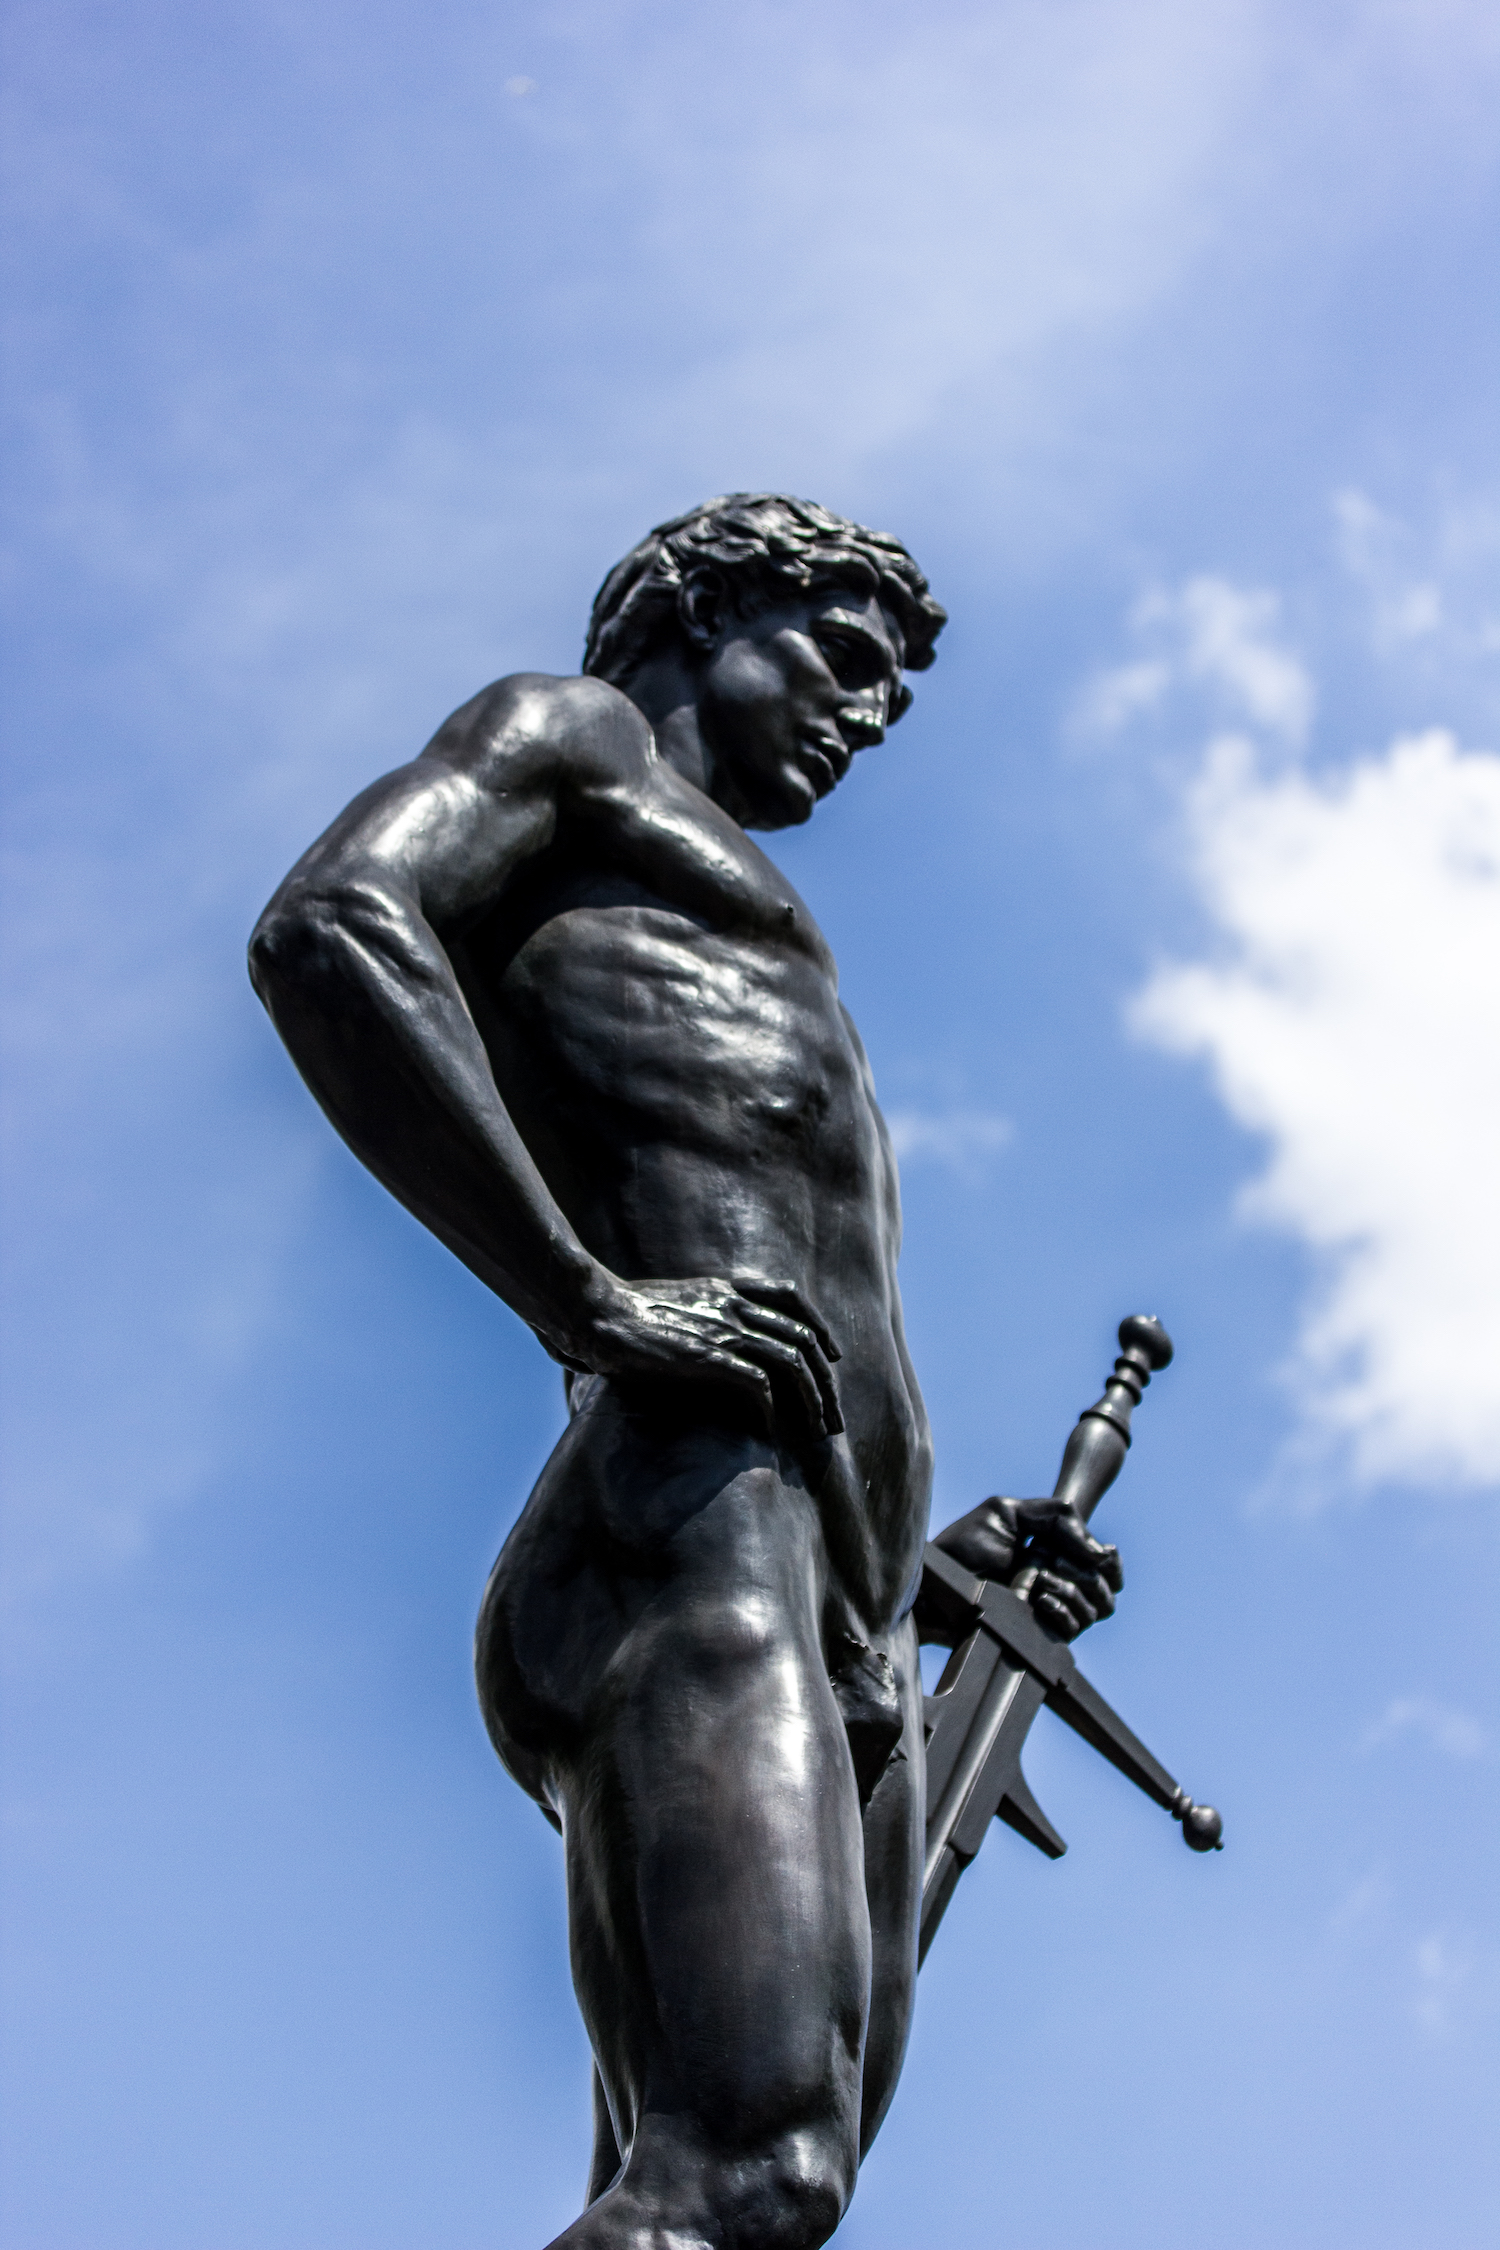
1095	1452
1092	1459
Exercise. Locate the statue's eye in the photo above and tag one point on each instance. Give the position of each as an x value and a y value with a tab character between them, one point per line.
852	663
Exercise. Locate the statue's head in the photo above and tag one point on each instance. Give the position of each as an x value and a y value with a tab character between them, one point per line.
789	626
761	548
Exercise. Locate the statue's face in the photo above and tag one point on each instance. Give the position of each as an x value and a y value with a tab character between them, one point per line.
787	698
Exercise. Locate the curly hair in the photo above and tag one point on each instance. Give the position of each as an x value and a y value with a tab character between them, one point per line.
766	546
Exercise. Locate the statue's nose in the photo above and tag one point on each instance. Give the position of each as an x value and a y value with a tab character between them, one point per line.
863	719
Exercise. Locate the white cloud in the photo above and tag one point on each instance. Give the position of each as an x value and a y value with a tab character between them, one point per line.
962	1139
1454	1733
1214	636
1353	1018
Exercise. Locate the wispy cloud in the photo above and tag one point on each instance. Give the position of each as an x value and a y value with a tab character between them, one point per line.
1211	636
1114	697
1054	179
1455	1733
1457	1976
1428	588
1229	640
962	1139
1365	1903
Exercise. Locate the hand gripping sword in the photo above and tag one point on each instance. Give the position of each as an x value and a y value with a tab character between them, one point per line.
1004	1667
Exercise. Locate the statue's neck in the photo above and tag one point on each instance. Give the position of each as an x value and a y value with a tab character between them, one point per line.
665	692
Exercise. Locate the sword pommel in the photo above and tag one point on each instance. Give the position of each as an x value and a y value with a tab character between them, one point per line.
1202	1828
1142	1337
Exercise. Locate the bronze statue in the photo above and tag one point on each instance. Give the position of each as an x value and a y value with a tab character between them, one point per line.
552	993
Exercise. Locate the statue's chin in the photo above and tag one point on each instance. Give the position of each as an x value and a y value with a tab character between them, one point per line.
795	805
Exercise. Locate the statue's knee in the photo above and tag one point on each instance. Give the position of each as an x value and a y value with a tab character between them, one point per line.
785	2192
816	2181
798	2194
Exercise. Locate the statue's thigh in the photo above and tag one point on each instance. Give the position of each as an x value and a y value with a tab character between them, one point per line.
715	1858
894	1835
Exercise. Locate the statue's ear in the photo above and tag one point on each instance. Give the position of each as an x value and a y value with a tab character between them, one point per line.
702	605
901	702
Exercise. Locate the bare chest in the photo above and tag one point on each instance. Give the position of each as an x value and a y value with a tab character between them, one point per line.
658	959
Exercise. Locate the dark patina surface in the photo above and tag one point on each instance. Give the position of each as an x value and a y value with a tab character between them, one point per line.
553	994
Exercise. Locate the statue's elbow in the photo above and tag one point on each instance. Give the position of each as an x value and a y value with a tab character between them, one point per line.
284	945
261	955
323	935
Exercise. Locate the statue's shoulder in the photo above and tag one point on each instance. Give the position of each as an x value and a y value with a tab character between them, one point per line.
535	725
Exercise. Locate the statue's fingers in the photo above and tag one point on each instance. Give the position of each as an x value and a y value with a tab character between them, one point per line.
744	1374
785	1296
776	1356
1056	1616
1101	1596
1068	1537
1065	1594
802	1338
1056	1592
740	1369
1096	1594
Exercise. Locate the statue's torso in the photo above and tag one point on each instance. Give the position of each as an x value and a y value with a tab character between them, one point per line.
662	1016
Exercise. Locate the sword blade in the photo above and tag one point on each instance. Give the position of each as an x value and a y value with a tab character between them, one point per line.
985	1782
950	1713
970	1761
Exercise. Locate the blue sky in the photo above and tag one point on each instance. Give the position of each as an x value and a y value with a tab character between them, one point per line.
346	349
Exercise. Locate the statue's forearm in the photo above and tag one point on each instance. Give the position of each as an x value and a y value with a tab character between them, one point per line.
365	998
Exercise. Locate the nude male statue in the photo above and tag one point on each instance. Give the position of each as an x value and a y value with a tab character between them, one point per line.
551	992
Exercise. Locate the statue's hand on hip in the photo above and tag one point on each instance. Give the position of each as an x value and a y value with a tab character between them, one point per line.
753	1333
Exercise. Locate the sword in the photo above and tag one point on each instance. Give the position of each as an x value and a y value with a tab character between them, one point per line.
1005	1666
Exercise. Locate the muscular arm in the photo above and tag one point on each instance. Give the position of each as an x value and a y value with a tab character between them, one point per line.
350	962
